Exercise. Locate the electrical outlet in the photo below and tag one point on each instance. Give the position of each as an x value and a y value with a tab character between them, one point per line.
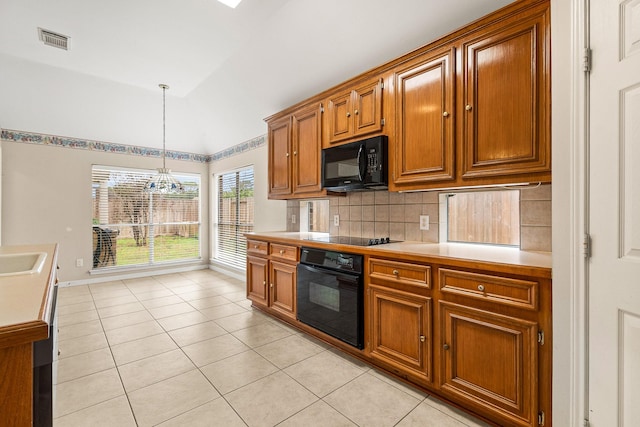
336	220
424	222
293	219
79	262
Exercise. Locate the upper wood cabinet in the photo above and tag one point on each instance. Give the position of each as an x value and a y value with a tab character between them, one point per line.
295	154
354	112
476	111
424	119
279	137
504	101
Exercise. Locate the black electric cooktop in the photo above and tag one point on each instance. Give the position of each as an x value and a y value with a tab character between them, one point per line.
354	241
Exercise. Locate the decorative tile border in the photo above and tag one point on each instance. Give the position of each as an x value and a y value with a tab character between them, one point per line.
108	147
240	148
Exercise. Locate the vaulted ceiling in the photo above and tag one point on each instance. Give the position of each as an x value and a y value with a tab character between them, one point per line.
227	68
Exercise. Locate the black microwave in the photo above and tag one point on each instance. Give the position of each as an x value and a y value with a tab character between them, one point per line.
360	165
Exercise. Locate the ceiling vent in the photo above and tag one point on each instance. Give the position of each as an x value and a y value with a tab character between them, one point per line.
53	39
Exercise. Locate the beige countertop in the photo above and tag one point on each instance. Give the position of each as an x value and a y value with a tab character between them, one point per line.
495	255
25	298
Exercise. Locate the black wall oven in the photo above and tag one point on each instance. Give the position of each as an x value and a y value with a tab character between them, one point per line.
330	294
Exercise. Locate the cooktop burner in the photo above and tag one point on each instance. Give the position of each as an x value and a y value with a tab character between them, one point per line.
354	241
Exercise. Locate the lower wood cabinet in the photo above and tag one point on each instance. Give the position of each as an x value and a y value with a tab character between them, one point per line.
477	334
490	361
271	276
400	331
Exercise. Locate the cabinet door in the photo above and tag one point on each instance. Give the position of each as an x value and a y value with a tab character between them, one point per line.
339	117
282	286
307	141
257	271
279	157
407	349
490	362
505	104
424	120
367	108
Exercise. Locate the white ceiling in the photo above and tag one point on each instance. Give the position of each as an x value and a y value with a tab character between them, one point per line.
229	67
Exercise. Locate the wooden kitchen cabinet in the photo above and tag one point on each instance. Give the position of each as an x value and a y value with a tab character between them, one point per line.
295	154
490	360
504	103
475	111
424	119
271	276
491	345
354	112
400	318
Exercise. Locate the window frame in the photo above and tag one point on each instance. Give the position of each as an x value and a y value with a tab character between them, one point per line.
144	174
240	261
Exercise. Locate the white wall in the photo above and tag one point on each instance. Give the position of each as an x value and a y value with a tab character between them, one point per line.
43	99
46	198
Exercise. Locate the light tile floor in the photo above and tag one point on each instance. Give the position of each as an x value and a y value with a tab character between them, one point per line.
188	350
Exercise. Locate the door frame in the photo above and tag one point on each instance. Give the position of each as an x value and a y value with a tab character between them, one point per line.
570	189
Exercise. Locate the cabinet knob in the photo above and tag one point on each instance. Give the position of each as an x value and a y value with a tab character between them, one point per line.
396	272
264	282
445	114
422	338
481	288
58	352
468	107
446	346
348	114
255	246
271	285
356	112
287	154
295	153
281	251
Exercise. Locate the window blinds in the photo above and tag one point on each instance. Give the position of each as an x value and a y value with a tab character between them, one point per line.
131	227
235	216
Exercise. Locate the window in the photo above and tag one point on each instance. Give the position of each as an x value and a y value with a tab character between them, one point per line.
235	216
135	228
314	215
484	217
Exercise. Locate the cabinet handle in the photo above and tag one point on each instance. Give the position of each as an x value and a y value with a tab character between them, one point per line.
468	107
348	114
396	272
481	288
445	114
295	153
271	285
281	251
446	346
356	112
287	154
422	338
255	246
264	282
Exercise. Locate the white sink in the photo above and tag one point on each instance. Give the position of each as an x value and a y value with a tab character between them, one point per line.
21	263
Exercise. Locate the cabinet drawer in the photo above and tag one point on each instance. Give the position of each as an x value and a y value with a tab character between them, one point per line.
284	252
400	272
502	290
257	247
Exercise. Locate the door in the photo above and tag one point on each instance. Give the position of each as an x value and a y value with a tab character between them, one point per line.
424	120
505	85
307	126
490	360
282	286
339	116
257	272
367	113
407	350
614	214
279	157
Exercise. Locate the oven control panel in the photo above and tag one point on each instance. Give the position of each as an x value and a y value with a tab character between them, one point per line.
331	259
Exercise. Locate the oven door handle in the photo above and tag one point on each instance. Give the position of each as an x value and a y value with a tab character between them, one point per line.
361	166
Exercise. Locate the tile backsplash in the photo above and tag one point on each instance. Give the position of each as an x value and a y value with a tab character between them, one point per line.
397	215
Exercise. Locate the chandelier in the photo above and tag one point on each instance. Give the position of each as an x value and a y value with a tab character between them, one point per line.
163	182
